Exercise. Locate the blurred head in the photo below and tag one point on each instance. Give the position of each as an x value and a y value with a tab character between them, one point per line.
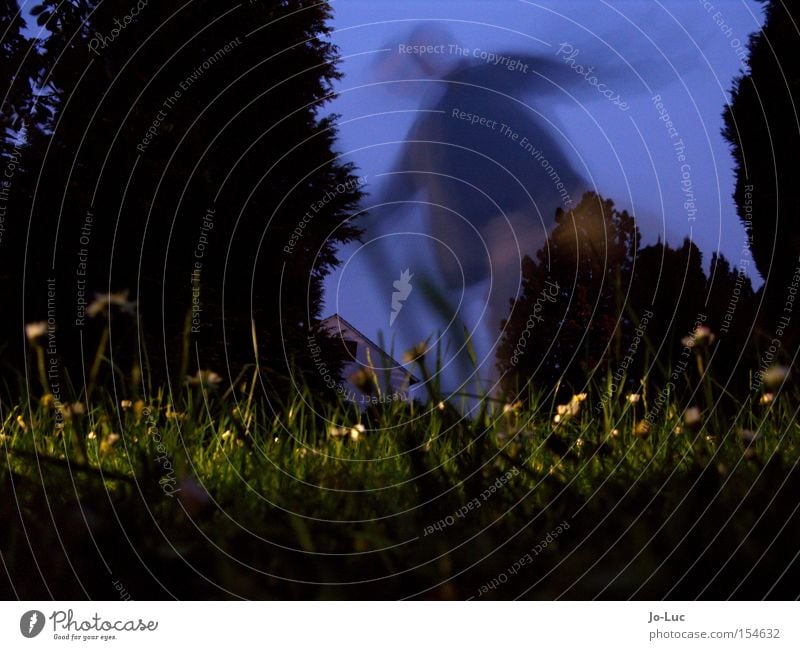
409	56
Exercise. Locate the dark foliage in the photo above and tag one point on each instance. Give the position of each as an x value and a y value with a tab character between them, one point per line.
763	128
572	296
187	145
596	304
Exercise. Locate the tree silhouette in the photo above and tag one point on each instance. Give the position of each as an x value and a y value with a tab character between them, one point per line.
567	318
731	305
189	164
22	116
670	282
597	309
15	69
761	124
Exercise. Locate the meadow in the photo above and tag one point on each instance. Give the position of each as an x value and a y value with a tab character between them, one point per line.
208	492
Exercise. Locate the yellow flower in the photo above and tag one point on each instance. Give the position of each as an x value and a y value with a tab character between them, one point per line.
416	353
207	379
35	331
337	432
634	398
365	380
775	376
702	336
692	417
102	303
767	398
571	409
110	440
642	429
174	415
76	408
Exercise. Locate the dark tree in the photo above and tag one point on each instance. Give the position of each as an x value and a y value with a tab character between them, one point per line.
764	132
22	117
731	305
670	282
596	310
190	165
18	58
568	319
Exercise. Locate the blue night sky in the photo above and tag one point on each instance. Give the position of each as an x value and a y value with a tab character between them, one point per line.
685	51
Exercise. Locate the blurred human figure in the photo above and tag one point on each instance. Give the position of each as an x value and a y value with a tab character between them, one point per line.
474	187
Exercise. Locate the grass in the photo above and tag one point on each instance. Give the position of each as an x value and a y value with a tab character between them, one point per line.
228	494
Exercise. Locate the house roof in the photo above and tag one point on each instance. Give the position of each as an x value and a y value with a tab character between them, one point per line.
368	341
